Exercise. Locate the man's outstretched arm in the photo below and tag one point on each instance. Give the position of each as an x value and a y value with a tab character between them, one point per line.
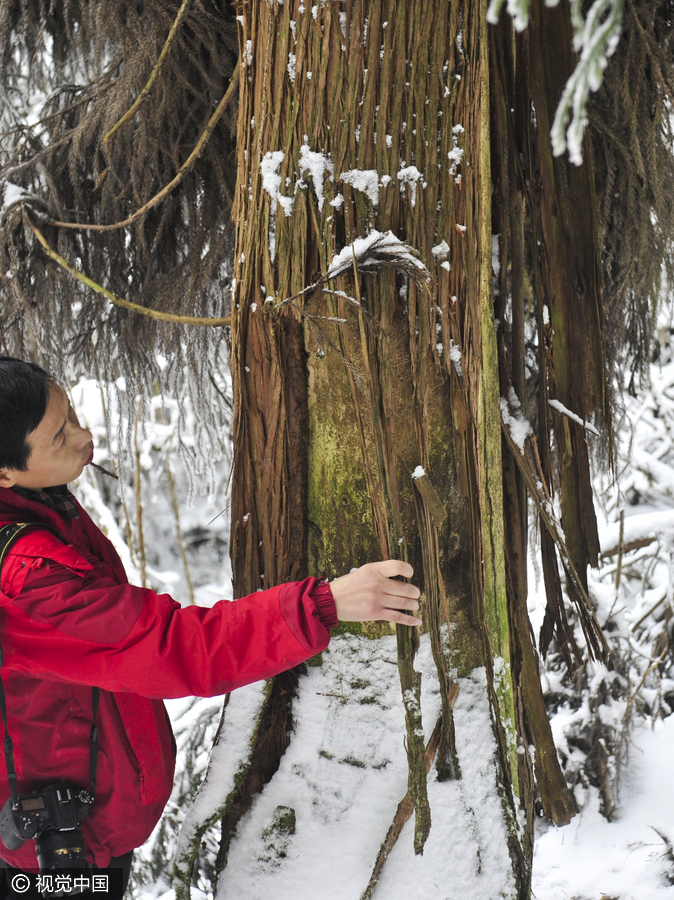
74	624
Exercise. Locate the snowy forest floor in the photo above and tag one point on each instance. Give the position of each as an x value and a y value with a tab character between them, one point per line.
345	770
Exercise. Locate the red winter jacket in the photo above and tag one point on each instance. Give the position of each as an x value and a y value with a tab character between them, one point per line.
69	619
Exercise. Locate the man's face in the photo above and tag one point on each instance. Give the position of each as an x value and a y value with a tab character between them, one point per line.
60	448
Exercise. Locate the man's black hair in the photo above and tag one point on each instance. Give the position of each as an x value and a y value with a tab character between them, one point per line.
24	394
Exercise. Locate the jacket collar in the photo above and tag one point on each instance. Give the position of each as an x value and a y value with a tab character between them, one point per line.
57	498
15	508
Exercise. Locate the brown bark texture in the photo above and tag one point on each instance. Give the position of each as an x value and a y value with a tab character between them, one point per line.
338	401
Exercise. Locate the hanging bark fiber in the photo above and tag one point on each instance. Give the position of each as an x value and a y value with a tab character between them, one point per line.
376	116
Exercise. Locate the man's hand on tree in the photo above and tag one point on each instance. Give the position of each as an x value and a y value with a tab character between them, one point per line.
372	593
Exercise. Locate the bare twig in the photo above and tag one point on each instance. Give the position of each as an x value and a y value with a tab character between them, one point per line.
621	550
629	546
648	612
104	471
139	501
654	664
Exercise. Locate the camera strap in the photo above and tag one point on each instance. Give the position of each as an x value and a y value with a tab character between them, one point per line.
8	535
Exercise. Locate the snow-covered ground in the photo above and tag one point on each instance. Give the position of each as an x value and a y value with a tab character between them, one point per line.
629	858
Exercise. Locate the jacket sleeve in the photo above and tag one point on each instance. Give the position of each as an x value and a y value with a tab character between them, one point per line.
64	620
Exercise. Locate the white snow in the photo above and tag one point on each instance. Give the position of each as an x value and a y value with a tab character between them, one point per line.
513	417
637	528
318	165
345	772
560	408
365	180
386	244
13	194
226	757
410	175
441	250
271	180
455	356
627	858
456	153
292	67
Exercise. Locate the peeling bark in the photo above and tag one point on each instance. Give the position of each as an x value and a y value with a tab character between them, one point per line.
336	404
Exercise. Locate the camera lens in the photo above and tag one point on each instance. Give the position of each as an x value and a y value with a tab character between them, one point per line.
61	850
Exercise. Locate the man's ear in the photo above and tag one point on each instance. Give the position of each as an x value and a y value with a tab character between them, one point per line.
7	478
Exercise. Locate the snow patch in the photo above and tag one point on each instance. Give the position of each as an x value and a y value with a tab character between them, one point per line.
560	408
13	194
271	180
455	356
365	180
410	175
292	67
317	164
385	245
518	426
441	250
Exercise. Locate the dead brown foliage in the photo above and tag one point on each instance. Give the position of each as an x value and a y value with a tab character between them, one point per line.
632	137
91	61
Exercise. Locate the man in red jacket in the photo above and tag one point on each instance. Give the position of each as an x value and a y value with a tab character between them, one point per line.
69	620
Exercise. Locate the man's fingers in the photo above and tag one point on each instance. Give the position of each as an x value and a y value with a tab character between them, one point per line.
401	590
389	568
389	602
401	619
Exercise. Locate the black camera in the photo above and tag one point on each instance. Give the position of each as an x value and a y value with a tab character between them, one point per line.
52	817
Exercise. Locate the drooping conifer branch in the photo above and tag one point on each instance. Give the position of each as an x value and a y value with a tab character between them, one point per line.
182	172
153	75
222	322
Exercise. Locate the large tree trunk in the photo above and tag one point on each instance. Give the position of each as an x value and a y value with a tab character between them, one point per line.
332	418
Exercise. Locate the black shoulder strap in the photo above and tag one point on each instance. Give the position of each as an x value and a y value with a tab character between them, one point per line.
9	534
